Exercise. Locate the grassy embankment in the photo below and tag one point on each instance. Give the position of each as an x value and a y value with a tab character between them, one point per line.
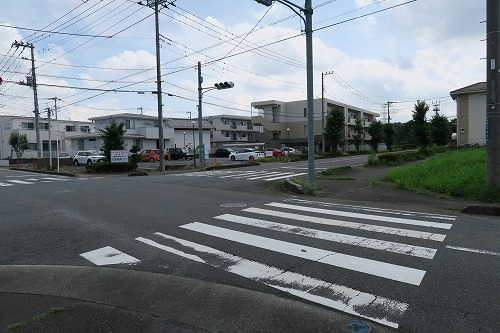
460	173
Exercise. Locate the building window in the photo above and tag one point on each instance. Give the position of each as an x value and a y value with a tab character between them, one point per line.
27	126
92	139
129	124
243	135
233	136
226	122
32	146
233	125
226	135
85	129
43	126
305	112
70	128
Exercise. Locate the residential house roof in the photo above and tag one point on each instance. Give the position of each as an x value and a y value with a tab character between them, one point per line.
473	88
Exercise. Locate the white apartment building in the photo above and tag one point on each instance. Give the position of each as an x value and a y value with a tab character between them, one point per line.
60	130
142	131
230	129
285	123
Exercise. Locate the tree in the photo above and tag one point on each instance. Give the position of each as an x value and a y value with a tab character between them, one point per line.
389	135
358	133
440	130
421	127
334	127
376	131
19	143
112	137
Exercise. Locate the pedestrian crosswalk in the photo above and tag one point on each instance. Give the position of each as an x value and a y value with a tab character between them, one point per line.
264	175
8	182
351	243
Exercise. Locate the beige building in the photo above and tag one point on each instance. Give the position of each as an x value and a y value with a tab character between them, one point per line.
471	114
230	129
285	123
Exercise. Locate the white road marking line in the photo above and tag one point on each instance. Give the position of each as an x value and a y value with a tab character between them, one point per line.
56	179
358	264
378	210
376	244
472	250
4	184
364	216
326	293
15	181
249	174
108	256
351	225
286	176
269	174
169	249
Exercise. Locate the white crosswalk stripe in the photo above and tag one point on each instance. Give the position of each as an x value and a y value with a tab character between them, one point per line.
40	180
263	175
396	261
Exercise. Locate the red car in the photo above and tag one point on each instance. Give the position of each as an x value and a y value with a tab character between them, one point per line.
150	155
275	152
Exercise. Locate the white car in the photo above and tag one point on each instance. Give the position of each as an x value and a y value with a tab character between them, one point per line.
88	157
246	154
289	150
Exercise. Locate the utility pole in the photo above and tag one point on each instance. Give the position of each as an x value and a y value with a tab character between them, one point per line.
492	94
155	4
323	109
55	99
49	111
33	84
389	104
200	120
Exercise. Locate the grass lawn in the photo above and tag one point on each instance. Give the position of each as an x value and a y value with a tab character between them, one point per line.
460	173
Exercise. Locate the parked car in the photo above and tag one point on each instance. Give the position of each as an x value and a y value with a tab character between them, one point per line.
88	157
275	152
289	150
189	153
175	154
246	154
150	155
223	152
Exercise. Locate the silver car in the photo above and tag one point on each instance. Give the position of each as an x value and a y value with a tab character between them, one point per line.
88	157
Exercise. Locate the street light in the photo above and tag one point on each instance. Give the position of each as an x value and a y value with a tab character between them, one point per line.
288	139
184	139
194	151
307	18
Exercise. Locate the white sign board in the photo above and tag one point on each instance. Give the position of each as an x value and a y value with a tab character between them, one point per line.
119	156
269	153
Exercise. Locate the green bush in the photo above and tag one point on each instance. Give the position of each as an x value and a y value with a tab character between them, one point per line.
107	167
398	158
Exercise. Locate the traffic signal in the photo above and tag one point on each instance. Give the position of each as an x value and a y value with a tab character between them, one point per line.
224	85
265	2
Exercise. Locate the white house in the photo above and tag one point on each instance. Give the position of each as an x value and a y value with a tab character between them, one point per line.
231	129
142	131
60	130
471	114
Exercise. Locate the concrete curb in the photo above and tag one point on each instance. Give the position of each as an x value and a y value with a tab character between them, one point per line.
208	305
291	186
47	172
482	210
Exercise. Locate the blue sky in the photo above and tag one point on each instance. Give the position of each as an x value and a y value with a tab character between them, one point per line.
419	50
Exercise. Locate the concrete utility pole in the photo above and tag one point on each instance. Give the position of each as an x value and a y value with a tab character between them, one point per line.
200	120
155	4
323	109
389	104
33	84
55	99
49	112
492	94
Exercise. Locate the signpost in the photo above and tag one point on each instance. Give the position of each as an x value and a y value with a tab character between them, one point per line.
119	156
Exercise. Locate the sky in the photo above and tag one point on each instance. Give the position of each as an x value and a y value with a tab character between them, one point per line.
97	57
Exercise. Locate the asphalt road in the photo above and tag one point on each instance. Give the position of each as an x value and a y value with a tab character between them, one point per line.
414	270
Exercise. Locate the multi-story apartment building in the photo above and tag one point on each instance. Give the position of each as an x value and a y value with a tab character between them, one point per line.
285	123
60	135
230	129
142	131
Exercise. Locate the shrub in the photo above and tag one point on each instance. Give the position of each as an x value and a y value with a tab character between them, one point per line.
107	167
